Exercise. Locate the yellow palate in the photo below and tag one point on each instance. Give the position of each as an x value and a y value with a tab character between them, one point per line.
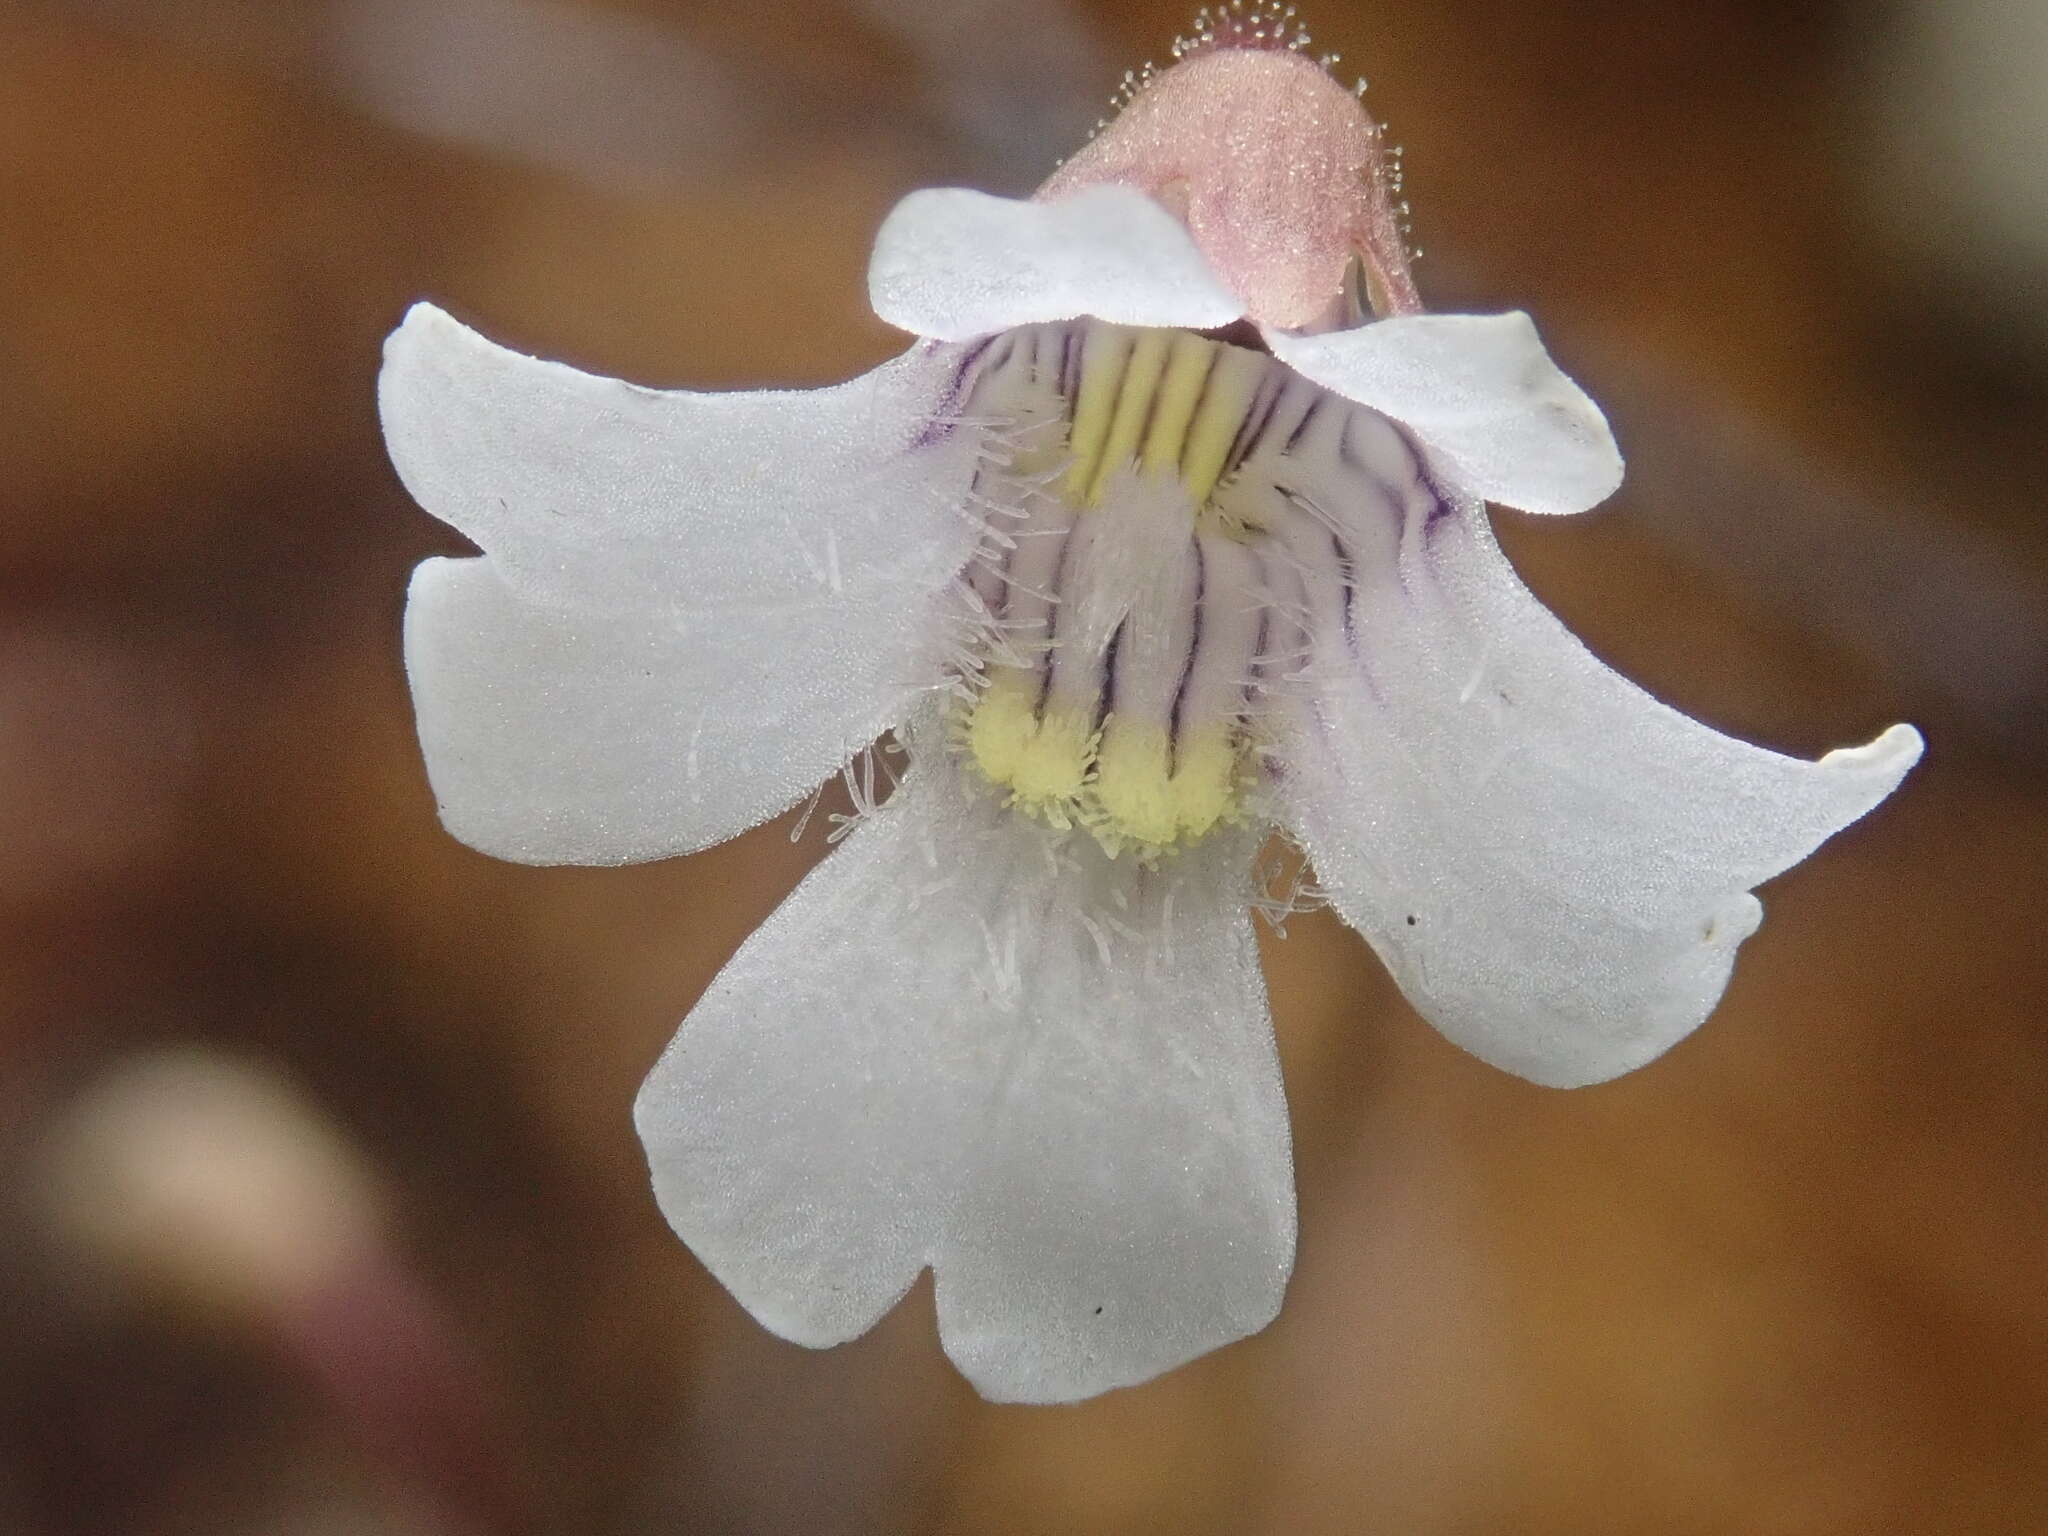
1171	404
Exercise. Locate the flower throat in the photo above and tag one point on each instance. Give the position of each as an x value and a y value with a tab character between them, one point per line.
1125	575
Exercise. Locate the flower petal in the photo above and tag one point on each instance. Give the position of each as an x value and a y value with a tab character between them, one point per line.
1499	418
955	264
605	735
586	489
949	1048
1555	866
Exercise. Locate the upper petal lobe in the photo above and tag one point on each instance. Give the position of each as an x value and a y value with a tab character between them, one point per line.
1499	419
956	264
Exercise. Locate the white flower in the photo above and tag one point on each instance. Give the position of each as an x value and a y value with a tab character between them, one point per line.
1132	598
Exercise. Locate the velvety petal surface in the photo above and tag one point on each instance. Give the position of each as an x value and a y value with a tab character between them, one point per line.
955	264
603	735
1556	867
1500	420
955	1047
589	490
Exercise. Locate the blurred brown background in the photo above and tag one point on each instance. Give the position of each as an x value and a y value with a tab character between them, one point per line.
379	1256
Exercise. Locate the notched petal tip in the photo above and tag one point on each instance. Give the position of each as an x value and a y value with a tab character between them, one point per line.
1092	1159
424	323
1039	1370
1890	756
955	264
435	391
1689	989
430	348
